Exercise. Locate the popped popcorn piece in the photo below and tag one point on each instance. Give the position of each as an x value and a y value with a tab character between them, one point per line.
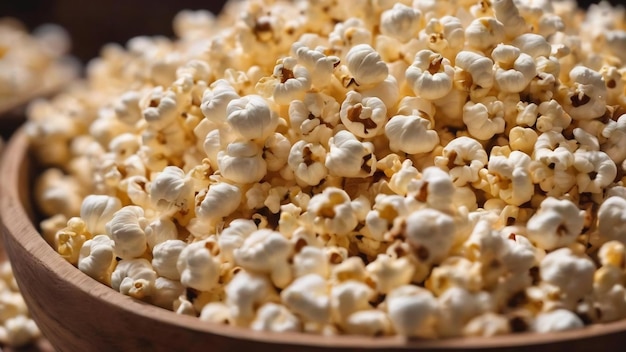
276	318
198	266
244	294
96	257
513	69
430	75
411	134
365	117
400	22
366	65
412	311
165	258
485	118
126	229
134	277
266	251
430	234
570	272
308	296
556	320
556	224
348	157
463	158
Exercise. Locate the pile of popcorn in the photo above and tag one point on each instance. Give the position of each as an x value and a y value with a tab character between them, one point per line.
16	326
422	168
32	63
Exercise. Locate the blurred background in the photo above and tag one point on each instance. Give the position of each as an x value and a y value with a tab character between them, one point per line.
94	23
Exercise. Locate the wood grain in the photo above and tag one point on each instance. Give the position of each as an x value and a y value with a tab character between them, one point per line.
79	314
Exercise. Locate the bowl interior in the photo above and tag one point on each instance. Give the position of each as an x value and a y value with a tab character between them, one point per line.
78	313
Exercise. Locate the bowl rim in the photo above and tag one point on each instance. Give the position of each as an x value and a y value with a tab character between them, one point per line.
12	207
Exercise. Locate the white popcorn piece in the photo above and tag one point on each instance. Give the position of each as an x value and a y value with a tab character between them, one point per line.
571	273
596	170
216	312
435	188
134	277
266	251
308	296
463	158
219	201
430	234
485	118
455	271
506	12
388	273
348	157
320	66
411	134
127	229
332	211
366	65
242	162
513	69
412	311
96	258
166	292
276	318
400	22
556	320
486	325
510	178
232	237
198	266
365	117
588	98
171	188
445	35
244	294
251	117
58	193
484	33
165	258
474	73
311	260
349	297
97	210
430	75
611	219
370	322
457	307
556	224
307	162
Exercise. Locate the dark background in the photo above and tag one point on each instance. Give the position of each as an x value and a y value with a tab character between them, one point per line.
92	23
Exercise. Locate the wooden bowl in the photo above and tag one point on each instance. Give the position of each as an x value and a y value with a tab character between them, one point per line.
78	313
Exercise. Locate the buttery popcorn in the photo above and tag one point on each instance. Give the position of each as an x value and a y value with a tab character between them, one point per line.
428	168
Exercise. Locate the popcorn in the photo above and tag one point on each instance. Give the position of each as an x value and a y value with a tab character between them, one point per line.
556	223
412	311
366	65
96	257
411	134
134	277
430	75
556	320
410	168
364	117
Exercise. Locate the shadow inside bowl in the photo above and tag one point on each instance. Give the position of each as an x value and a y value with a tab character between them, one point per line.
77	313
